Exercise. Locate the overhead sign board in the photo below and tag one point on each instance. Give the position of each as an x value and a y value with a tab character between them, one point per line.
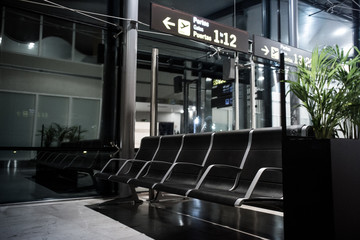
269	49
185	25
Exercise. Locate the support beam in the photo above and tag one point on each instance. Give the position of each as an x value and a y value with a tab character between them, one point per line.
293	23
356	24
293	41
236	93
154	85
128	80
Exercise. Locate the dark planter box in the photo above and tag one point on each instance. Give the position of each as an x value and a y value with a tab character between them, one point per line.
321	188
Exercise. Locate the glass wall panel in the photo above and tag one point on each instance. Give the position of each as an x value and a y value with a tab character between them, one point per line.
21	32
87	42
85	115
17	119
53	112
321	28
57	39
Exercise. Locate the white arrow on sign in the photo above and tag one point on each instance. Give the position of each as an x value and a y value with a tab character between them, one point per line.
265	50
167	23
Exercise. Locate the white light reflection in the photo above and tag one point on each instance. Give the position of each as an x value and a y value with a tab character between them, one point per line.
31	45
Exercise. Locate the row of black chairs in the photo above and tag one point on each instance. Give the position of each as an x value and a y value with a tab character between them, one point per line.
224	167
68	163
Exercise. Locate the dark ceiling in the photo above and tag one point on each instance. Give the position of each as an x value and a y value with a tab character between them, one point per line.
344	8
211	9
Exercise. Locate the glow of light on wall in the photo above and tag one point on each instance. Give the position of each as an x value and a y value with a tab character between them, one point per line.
340	32
31	45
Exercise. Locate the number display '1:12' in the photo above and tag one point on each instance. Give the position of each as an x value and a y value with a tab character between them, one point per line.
223	38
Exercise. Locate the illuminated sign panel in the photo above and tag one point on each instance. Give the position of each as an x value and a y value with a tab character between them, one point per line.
185	25
269	49
221	93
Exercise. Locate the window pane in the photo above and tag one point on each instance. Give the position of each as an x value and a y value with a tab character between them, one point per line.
87	42
85	114
21	32
16	119
57	38
52	112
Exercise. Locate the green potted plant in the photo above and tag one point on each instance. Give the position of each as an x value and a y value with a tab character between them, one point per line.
74	133
327	89
348	74
55	134
321	175
49	135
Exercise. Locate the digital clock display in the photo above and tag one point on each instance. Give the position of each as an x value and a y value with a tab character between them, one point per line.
185	25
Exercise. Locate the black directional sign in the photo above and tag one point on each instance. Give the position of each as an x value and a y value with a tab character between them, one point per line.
185	25
269	49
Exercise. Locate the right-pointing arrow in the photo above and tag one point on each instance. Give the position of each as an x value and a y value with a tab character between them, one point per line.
265	50
167	23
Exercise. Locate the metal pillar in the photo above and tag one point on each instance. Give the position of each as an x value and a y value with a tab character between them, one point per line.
252	95
186	102
267	96
293	41
109	118
154	83
128	80
356	24
293	23
266	18
198	98
237	95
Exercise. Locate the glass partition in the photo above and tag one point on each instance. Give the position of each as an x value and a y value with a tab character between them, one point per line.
17	119
21	32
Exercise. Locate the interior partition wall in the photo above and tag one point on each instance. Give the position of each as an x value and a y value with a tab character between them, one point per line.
49	76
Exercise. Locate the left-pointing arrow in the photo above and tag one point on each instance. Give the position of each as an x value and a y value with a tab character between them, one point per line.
167	23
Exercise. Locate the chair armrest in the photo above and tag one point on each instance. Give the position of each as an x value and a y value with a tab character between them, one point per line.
252	186
257	178
168	173
130	161
121	160
208	170
150	163
111	160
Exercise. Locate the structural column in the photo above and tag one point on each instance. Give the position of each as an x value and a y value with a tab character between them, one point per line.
128	79
266	94
108	127
356	24
293	41
293	23
153	94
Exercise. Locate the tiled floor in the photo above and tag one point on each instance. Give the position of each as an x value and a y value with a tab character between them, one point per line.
61	220
20	185
96	218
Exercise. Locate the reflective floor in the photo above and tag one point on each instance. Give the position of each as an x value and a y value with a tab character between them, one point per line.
195	219
18	183
98	218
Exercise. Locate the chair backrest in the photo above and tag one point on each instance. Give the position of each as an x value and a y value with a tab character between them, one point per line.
265	151
195	147
229	148
169	148
148	148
